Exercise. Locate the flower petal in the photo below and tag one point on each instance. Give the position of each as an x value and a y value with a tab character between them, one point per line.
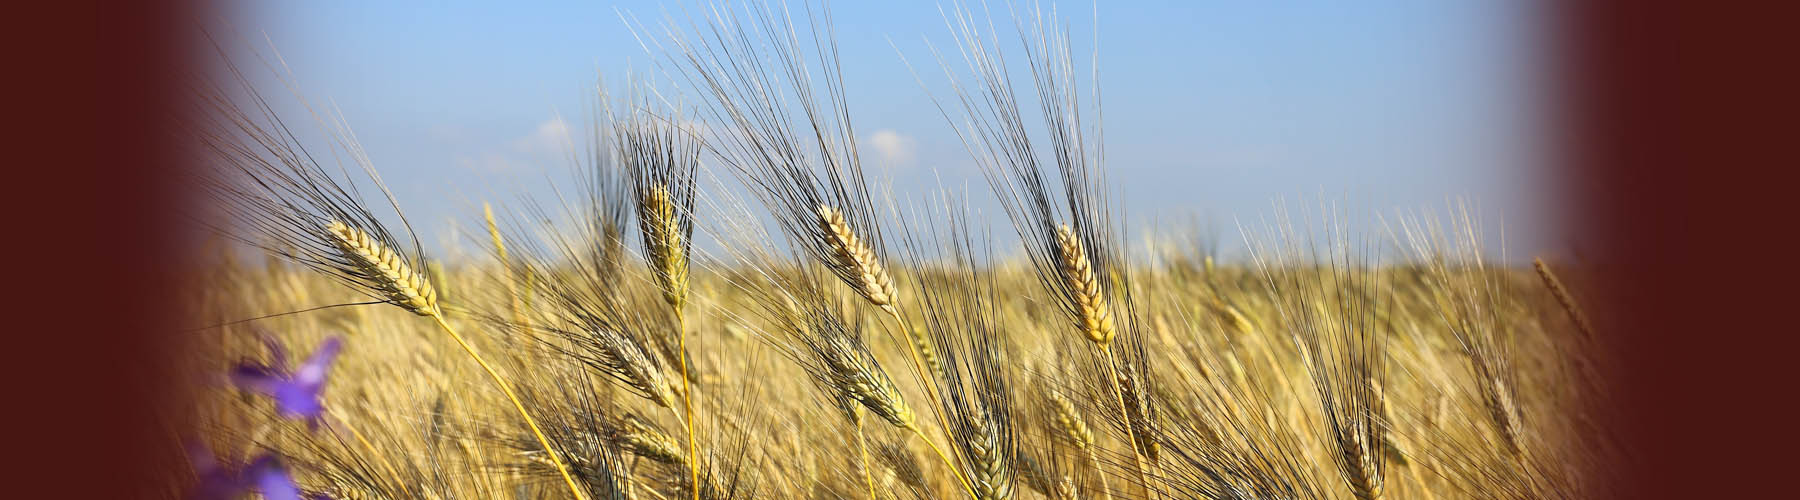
273	481
255	378
312	372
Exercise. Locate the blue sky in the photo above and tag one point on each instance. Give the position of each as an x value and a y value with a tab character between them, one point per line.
1212	108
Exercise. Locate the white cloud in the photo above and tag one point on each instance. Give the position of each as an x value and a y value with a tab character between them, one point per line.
490	163
895	149
545	144
550	137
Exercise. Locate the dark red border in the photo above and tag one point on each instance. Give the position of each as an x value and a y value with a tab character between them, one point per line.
1666	151
93	202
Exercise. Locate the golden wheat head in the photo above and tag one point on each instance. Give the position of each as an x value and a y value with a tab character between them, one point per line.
646	440
862	381
663	239
1094	317
854	259
386	268
1069	423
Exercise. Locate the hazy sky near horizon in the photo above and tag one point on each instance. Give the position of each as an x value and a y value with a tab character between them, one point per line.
1215	109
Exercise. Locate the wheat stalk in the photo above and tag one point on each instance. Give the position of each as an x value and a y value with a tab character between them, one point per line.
411	291
668	260
1095	321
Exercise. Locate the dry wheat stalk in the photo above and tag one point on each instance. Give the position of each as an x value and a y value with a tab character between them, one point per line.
663	244
410	290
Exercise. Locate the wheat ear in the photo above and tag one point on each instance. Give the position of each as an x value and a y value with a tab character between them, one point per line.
857	260
854	258
988	472
1095	320
411	291
1093	316
664	241
514	305
1076	430
1563	297
863	382
647	441
399	284
668	257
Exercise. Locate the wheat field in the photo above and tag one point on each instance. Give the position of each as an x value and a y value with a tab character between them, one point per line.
728	306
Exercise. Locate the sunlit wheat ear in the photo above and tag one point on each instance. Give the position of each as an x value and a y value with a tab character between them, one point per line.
387	269
628	362
663	239
1137	413
926	352
646	440
1363	464
1069	423
1503	409
1093	316
853	258
856	376
1065	489
988	471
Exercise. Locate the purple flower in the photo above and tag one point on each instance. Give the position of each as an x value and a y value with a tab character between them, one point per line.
296	393
264	476
272	481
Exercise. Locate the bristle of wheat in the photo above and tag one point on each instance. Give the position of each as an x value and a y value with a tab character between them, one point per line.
1093	316
663	240
397	281
856	260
